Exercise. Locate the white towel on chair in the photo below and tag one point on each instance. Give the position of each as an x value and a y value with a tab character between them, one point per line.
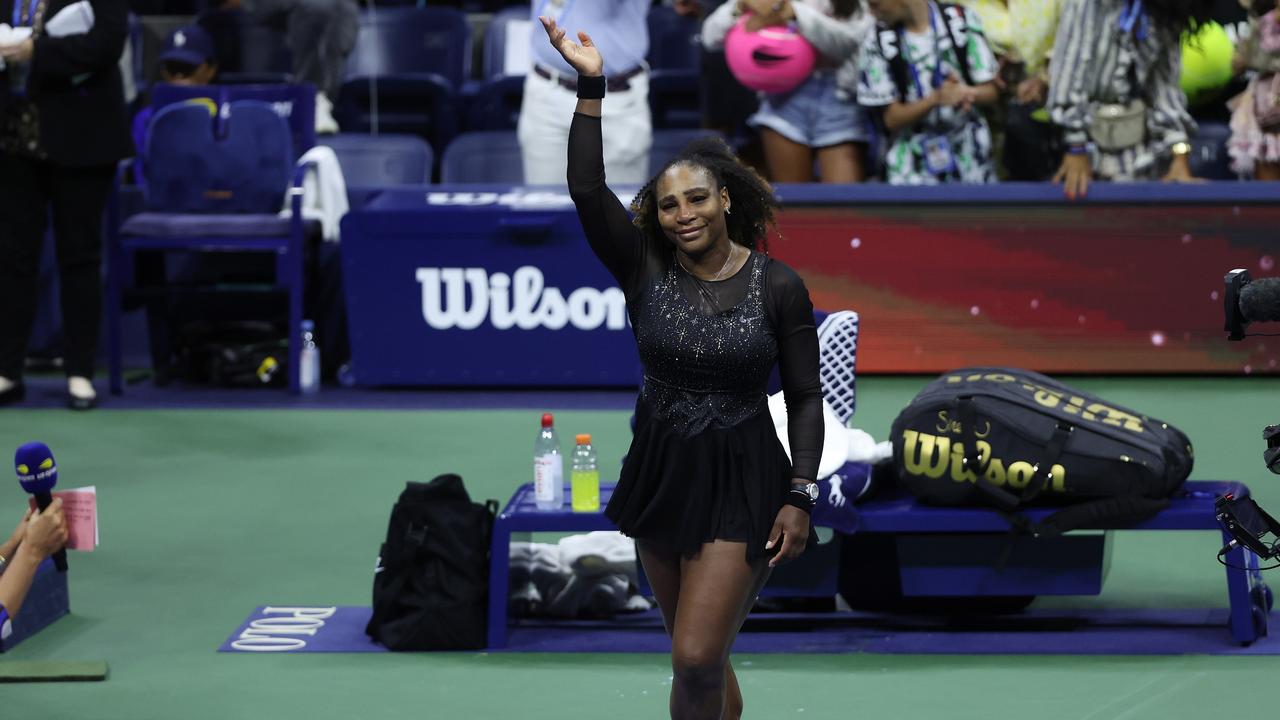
324	192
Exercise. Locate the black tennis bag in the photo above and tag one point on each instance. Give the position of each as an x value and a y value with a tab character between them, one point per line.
430	591
1006	438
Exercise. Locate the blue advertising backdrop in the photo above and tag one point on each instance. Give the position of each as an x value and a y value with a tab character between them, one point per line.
481	288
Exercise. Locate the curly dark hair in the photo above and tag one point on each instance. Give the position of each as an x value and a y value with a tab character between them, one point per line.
751	195
1176	18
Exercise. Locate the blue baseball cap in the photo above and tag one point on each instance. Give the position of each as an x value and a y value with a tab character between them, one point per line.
190	45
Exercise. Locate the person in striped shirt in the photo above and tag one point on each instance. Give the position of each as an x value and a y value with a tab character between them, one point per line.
1113	89
37	537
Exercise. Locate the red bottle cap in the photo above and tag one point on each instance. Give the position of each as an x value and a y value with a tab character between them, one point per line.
546	420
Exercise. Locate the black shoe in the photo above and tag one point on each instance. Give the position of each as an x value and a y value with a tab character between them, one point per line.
14	395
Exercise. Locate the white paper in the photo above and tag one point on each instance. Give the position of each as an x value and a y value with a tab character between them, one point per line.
515	60
12	36
74	19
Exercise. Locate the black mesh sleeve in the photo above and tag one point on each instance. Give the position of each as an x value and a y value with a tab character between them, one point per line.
797	336
604	220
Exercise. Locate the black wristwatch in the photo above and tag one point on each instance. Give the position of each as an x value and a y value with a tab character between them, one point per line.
803	496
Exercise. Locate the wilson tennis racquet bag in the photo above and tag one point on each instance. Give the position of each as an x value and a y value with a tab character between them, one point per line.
1007	438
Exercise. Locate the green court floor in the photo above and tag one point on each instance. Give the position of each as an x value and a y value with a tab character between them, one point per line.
207	514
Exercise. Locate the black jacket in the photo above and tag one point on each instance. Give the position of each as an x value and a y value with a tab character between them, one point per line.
76	86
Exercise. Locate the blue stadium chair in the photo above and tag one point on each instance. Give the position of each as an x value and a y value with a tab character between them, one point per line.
216	182
668	143
1209	157
408	41
495	104
372	162
675	59
483	157
296	103
407	68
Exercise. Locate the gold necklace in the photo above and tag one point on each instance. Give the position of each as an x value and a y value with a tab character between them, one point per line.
732	249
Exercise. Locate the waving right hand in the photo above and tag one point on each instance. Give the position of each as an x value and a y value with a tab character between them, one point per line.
584	58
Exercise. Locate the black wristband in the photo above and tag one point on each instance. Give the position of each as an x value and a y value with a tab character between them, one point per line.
799	500
591	87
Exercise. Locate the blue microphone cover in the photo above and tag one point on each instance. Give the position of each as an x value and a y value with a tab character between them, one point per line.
37	472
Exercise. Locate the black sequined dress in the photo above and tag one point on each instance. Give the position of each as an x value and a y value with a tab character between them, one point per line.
705	462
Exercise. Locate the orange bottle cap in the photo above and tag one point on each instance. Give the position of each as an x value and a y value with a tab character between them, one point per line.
584	439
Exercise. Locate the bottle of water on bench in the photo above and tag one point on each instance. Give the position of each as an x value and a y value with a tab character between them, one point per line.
309	360
548	467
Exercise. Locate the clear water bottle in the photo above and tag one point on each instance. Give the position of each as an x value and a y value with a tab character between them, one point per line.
309	359
585	477
548	467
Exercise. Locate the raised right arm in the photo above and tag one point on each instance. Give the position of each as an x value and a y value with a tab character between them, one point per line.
604	220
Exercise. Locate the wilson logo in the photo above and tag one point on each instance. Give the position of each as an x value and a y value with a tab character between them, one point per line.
464	298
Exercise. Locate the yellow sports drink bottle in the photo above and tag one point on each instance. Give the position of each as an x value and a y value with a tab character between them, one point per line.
585	477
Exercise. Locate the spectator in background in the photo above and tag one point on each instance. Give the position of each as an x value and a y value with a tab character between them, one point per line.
1113	89
1020	33
188	58
63	127
619	28
38	536
926	68
320	35
1255	149
820	117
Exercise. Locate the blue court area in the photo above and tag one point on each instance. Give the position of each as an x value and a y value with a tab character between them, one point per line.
214	508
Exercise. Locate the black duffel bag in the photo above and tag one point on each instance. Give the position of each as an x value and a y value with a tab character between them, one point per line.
430	591
1006	438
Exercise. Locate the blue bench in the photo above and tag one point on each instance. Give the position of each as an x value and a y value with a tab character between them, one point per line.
965	563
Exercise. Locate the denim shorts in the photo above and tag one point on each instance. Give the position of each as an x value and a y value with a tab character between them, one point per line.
813	114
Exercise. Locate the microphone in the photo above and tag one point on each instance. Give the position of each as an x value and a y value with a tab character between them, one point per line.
37	473
1247	300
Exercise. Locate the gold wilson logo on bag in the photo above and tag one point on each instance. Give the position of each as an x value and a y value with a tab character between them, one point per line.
1086	410
931	456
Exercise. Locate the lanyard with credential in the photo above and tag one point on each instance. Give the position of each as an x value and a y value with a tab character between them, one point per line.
21	18
937	54
1134	17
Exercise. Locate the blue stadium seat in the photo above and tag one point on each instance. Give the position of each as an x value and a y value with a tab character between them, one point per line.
668	143
1209	157
675	58
483	157
495	103
673	40
372	162
296	103
382	159
216	182
413	41
405	73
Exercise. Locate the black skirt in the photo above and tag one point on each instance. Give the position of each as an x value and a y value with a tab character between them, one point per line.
723	483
